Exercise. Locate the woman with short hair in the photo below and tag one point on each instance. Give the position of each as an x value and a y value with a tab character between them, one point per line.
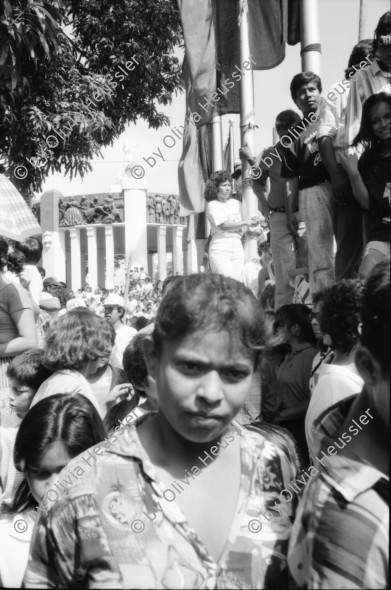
226	255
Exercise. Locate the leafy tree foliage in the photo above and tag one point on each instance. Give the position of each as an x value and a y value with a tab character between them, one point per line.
74	73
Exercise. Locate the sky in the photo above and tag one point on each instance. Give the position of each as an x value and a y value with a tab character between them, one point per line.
338	25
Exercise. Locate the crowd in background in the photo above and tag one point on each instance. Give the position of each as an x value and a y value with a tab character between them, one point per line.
323	188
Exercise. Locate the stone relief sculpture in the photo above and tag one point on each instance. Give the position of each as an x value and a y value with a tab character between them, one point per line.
86	212
162	209
73	214
150	209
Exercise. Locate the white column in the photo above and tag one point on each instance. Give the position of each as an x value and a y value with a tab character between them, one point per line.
53	254
177	249
109	241
162	251
192	257
83	256
310	38
362	21
53	239
92	248
249	200
135	217
75	259
60	257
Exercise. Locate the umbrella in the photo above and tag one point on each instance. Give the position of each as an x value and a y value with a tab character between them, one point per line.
17	221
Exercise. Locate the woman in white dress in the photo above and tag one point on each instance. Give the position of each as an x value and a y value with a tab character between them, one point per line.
226	254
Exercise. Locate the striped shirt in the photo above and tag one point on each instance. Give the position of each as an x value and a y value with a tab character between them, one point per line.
340	535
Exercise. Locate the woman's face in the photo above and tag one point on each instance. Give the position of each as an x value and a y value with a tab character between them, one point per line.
315	320
43	474
380	120
224	191
202	381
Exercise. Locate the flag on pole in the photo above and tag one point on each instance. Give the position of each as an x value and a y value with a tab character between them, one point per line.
227	164
212	71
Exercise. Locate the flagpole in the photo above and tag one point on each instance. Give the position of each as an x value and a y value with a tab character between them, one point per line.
217	155
310	37
222	141
361	25
231	145
217	145
249	200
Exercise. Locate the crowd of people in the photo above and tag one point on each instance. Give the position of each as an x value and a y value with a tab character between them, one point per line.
222	444
225	429
324	187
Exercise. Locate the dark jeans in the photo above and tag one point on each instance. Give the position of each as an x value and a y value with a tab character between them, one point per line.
348	232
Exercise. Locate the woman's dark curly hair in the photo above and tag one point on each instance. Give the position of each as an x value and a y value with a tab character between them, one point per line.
76	338
14	261
340	314
296	314
212	186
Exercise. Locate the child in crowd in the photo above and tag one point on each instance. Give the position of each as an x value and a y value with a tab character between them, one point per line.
75	345
139	526
51	434
25	375
144	396
371	177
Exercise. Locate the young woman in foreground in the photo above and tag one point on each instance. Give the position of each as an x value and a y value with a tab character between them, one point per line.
185	497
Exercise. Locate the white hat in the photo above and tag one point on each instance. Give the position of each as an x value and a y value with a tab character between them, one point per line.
114	299
76	302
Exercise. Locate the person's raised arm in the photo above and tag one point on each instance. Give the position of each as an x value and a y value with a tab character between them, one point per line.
260	180
261	189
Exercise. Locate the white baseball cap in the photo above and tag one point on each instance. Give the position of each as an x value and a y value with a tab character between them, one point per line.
114	299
